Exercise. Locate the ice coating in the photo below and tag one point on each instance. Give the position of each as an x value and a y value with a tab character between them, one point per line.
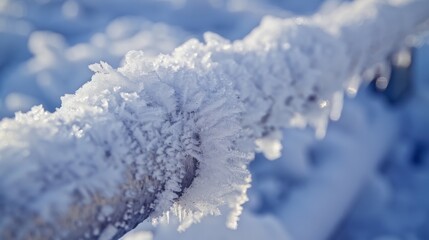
153	127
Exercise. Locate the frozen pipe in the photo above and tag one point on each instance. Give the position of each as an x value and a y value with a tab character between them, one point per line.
179	130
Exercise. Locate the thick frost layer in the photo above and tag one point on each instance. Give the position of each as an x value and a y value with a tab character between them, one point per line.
58	68
129	142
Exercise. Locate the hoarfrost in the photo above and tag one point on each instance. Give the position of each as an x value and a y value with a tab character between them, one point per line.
147	130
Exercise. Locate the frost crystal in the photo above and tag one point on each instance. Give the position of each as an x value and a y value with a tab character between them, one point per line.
176	132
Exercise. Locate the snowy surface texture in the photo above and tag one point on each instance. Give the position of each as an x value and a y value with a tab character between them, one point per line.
131	141
56	68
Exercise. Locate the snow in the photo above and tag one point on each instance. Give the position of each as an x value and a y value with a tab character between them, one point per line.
211	100
54	59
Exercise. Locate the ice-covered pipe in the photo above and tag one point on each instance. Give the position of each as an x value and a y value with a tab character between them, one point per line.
129	142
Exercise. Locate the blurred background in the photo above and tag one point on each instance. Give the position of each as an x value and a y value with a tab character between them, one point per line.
46	46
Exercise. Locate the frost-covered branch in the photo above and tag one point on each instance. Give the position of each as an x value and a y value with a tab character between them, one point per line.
176	133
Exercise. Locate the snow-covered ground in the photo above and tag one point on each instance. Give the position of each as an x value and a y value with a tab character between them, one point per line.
47	45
